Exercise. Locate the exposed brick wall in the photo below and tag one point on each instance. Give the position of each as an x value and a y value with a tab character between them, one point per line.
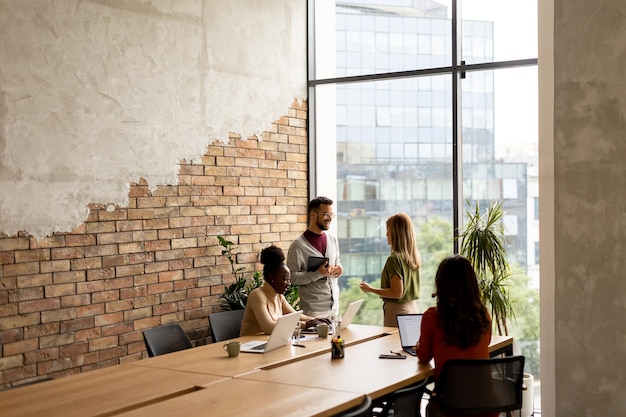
80	300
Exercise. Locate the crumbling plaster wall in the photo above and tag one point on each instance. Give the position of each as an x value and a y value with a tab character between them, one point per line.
97	94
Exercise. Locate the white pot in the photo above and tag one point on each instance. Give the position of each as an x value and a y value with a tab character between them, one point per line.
527	396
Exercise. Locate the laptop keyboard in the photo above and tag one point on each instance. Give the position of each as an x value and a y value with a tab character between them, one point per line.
259	347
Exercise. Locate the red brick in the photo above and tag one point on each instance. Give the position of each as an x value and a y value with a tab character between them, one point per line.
87	334
116	329
48	242
26	281
11	335
87	263
133	292
77	324
113	353
48	367
131	247
80	240
60	290
56	340
41	330
12	244
129	225
166	308
100	250
160	288
106	296
118	237
143	280
25	294
58	315
32	255
21	320
86	359
19	374
115	306
90	310
28	268
89	287
67	253
147	323
75	300
39	305
117	283
108	319
139	313
74	349
69	276
41	355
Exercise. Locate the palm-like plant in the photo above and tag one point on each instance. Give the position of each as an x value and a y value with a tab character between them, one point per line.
483	243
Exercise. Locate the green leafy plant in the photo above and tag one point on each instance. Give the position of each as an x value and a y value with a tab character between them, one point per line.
235	295
483	243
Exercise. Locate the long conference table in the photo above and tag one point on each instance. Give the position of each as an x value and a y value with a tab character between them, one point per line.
288	381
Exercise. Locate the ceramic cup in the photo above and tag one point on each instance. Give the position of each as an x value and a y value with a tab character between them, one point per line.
322	330
232	348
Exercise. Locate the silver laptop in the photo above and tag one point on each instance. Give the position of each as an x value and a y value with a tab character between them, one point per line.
350	313
346	317
281	335
409	326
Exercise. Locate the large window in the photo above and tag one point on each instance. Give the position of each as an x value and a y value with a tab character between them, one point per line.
419	106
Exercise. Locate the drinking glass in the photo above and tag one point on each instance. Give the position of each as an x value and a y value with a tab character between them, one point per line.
296	335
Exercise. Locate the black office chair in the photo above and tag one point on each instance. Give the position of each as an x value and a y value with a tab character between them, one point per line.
225	324
361	410
166	339
405	402
470	386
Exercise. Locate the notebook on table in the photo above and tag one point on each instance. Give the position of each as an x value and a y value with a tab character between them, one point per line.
409	327
280	336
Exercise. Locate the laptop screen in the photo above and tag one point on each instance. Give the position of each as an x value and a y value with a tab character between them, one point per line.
409	326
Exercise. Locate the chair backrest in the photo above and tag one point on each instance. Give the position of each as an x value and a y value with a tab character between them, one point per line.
470	386
361	410
225	324
166	339
405	402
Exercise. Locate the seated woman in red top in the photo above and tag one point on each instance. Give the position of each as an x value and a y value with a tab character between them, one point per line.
459	326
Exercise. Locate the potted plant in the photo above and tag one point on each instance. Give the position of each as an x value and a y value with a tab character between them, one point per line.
235	295
483	243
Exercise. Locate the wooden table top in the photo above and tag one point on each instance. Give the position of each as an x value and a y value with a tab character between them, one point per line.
212	359
101	392
361	371
238	397
289	381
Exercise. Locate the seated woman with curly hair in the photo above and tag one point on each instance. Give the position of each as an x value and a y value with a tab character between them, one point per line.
267	303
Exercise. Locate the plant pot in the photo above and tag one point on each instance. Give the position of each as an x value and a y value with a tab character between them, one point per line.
528	404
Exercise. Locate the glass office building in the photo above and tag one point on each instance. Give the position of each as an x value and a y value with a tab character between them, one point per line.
394	136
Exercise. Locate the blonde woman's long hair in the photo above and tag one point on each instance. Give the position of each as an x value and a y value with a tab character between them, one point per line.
402	236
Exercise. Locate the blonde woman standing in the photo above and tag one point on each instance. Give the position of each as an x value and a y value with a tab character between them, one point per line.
400	278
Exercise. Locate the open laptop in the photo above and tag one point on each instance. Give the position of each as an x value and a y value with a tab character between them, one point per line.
409	326
346	317
281	335
350	313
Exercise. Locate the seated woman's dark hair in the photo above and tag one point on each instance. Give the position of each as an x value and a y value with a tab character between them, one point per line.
272	259
462	313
